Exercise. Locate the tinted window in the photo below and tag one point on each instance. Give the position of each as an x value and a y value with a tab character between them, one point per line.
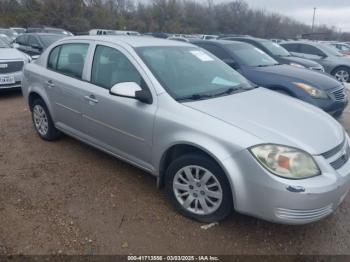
251	56
22	40
291	47
215	50
33	41
111	67
309	49
50	39
53	58
191	72
71	59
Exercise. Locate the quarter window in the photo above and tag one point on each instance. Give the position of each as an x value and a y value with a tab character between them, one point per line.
71	59
111	67
52	62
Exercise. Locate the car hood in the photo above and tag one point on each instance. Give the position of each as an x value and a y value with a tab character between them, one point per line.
275	75
304	62
275	118
11	54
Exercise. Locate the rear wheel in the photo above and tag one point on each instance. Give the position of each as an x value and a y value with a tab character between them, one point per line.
42	121
342	74
198	188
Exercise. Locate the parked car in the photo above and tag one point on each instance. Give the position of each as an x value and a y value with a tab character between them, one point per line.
342	48
177	38
333	62
49	30
213	140
279	53
34	44
209	37
19	30
113	32
312	87
12	34
11	65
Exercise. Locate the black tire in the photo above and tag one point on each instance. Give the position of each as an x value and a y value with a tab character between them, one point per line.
339	69
52	133
226	206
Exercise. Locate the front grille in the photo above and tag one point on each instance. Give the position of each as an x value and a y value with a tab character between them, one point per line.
334	151
339	94
303	215
342	160
343	152
11	66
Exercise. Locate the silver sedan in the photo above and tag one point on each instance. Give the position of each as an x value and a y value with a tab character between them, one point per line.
214	141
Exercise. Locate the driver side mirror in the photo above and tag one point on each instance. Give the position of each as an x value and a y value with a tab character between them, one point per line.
131	90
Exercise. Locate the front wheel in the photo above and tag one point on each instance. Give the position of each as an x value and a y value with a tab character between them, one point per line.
198	188
342	74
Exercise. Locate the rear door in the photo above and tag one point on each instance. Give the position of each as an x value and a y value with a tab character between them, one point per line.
65	84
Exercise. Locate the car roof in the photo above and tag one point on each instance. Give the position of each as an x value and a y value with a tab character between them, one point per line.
133	41
221	42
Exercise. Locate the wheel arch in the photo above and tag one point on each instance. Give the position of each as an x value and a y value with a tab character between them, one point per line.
339	66
36	93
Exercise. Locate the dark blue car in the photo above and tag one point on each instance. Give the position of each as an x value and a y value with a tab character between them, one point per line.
310	86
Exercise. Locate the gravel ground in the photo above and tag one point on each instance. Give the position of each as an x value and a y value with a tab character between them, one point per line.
68	198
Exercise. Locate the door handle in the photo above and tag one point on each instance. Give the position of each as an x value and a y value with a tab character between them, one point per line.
50	84
91	98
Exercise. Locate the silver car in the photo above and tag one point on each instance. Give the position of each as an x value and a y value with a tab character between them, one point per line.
215	142
11	65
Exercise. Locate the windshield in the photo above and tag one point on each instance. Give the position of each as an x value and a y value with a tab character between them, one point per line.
191	73
3	44
8	32
251	56
50	39
275	49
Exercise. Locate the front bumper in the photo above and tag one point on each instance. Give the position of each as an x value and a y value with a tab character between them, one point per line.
16	86
258	193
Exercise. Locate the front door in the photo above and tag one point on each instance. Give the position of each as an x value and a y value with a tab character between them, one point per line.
123	126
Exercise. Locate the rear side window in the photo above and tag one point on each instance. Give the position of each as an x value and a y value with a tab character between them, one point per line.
310	50
69	59
111	67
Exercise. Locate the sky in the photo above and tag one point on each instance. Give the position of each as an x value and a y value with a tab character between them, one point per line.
330	12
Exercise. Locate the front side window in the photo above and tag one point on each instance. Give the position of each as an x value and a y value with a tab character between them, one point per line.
292	47
32	41
111	67
191	73
71	59
215	50
251	56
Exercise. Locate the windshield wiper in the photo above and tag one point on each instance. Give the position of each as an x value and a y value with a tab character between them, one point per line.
196	97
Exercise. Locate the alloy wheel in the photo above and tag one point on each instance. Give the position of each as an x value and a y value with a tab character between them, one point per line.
197	190
40	120
342	75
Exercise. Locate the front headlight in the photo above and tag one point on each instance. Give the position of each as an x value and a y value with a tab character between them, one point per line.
312	91
286	162
297	65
